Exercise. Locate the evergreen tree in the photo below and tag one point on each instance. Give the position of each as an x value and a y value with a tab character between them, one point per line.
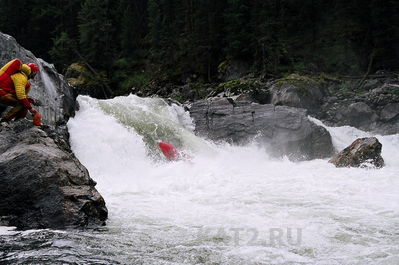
133	26
98	33
383	23
155	28
65	36
15	19
64	51
237	29
182	40
163	36
195	39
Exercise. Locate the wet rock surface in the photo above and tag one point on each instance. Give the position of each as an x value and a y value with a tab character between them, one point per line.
283	130
372	106
42	183
362	152
295	91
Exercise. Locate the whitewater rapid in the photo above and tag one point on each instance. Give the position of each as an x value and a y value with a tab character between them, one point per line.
228	204
236	203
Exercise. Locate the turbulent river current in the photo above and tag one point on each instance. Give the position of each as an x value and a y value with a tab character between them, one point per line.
225	205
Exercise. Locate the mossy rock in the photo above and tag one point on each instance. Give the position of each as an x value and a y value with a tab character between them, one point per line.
299	91
77	74
240	86
87	83
392	90
190	92
301	80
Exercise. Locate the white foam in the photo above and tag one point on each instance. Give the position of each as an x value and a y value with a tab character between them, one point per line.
7	230
344	214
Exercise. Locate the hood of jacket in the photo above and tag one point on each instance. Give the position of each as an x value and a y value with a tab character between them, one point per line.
25	69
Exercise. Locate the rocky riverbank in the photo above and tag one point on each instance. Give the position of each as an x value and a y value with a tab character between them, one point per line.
46	186
369	103
43	185
275	112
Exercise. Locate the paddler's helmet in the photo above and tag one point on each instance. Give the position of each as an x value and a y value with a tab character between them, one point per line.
33	68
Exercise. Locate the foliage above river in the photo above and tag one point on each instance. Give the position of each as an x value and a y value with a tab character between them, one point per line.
137	42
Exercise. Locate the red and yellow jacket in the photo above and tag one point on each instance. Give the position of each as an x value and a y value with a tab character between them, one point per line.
14	80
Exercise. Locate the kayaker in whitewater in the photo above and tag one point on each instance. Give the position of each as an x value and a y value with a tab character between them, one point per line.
14	87
171	152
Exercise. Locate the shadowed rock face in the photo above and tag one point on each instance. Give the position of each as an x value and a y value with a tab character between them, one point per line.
283	130
361	152
42	184
307	96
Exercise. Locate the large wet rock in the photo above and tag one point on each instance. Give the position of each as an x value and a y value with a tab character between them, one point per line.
362	152
357	114
390	112
283	130
50	88
297	91
42	183
371	106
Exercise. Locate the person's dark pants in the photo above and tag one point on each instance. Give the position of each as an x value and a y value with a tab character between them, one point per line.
18	111
2	108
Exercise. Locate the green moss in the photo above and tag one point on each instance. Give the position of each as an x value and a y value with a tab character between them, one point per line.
392	90
328	77
302	82
200	89
348	85
197	90
240	86
347	88
223	66
177	97
300	79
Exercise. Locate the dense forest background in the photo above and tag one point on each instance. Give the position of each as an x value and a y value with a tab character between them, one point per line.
133	42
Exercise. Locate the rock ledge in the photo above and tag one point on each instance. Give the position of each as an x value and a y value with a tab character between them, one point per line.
42	183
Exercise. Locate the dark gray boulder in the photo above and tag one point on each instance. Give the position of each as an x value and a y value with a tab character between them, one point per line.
371	105
297	91
42	183
389	119
361	153
283	130
357	114
390	112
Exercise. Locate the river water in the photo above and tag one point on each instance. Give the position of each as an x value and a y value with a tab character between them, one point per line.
225	205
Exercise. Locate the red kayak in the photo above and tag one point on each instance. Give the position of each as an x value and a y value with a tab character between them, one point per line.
171	152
